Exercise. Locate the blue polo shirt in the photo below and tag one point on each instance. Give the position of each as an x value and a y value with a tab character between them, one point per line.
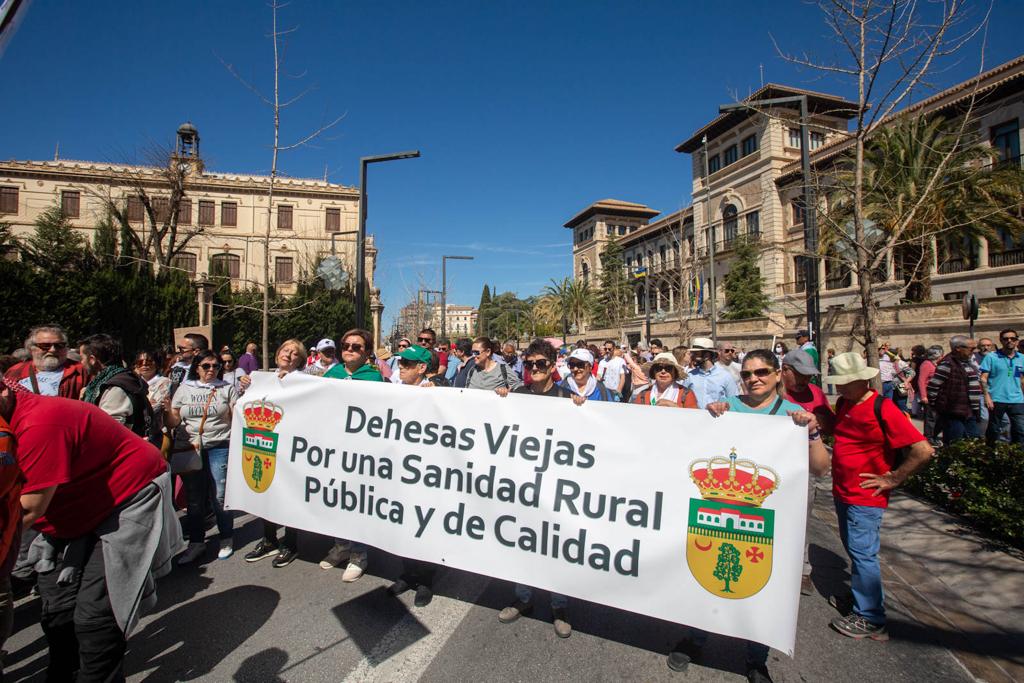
1004	373
737	404
711	386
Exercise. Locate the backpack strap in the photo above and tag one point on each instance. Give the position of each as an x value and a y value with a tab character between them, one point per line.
504	374
775	408
879	400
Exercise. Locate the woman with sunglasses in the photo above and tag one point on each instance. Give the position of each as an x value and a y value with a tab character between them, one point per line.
581	380
233	374
403	344
290	357
487	372
147	365
202	406
665	390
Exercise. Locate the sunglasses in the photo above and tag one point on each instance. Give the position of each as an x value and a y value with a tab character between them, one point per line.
403	346
577	364
425	340
227	361
407	363
760	372
144	361
1004	339
352	347
540	364
209	366
46	346
655	369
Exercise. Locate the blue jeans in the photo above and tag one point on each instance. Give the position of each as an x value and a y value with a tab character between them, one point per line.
207	486
887	389
1015	413
859	530
955	428
525	594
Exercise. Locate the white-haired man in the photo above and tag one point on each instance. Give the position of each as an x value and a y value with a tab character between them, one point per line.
49	372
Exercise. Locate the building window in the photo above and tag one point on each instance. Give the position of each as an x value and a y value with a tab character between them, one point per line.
749	144
622	230
800	272
1006	141
798	210
185	211
817	139
225	265
730	155
161	208
207	211
333	220
661	254
586	271
1002	291
71	203
754	223
135	209
629	263
185	261
730	224
794	137
284	217
955	296
229	214
714	163
8	200
283	269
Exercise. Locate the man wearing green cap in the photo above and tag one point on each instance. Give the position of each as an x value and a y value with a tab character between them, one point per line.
412	366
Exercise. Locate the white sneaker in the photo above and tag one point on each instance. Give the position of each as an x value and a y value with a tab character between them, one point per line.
226	550
356	567
192	553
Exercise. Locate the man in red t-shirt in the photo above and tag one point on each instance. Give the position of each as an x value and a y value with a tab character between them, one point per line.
868	431
84	472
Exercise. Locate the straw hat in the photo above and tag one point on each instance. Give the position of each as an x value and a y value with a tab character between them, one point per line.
849	367
664	358
383	353
702	344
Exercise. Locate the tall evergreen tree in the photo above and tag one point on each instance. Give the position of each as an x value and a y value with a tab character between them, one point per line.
615	297
744	286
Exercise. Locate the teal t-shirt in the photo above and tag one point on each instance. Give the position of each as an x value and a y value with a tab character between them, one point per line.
736	403
1004	375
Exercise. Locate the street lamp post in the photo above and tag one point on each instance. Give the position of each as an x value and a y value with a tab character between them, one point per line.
444	292
810	205
713	294
361	238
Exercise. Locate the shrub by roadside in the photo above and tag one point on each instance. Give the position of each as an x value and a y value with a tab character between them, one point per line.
984	484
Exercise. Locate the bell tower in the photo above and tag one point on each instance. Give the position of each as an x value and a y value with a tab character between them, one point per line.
186	149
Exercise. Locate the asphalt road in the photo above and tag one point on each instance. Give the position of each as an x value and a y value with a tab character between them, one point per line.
235	621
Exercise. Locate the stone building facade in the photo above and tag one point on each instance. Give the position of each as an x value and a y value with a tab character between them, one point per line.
227	210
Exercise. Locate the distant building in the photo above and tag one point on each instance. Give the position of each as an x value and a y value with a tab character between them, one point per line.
228	210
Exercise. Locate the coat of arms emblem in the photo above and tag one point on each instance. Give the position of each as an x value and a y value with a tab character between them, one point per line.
259	443
729	535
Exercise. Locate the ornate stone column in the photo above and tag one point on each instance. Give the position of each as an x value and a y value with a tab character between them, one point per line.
376	311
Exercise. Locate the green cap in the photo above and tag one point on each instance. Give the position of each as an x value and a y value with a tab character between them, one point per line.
416	353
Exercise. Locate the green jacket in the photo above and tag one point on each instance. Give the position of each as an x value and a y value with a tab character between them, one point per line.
368	372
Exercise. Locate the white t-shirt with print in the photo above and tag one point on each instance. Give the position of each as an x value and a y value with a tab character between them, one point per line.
611	370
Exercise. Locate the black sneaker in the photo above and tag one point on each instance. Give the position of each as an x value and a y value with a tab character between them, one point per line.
399	587
263	549
284	558
684	653
758	673
857	627
423	596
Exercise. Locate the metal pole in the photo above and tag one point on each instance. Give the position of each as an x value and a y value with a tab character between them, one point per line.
711	244
361	247
810	234
444	299
647	302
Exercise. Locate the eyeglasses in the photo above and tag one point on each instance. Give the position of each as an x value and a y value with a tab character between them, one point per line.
577	364
539	364
209	366
475	352
728	350
352	347
760	373
425	340
144	361
227	361
403	346
46	346
407	363
655	369
1003	339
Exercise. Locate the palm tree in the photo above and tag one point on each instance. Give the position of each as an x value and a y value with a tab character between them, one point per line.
575	300
925	180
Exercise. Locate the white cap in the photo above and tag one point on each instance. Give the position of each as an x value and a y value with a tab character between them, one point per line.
325	344
582	354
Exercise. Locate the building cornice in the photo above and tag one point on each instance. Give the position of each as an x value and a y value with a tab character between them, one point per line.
612	207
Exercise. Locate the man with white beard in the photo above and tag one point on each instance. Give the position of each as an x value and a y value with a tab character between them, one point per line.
49	372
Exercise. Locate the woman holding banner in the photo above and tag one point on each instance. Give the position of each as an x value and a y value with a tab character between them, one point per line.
290	357
665	389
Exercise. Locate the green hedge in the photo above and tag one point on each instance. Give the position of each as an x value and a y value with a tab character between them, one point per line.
983	484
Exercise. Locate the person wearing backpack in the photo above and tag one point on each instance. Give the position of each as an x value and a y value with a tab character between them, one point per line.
118	391
486	372
581	380
664	390
869	431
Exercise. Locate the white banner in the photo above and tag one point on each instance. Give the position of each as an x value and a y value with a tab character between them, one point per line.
669	513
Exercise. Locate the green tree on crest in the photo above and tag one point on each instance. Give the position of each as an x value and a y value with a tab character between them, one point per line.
257	471
728	568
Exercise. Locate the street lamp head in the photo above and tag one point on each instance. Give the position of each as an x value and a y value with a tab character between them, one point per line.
411	154
460	258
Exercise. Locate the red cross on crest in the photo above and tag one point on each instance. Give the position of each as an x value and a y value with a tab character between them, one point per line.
268	463
754	554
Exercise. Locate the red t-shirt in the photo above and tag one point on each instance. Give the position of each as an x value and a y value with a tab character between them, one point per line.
95	462
860	448
814	400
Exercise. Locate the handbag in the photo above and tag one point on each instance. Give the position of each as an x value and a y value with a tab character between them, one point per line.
188	458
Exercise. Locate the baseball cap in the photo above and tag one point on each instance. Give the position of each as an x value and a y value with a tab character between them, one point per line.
582	354
802	333
416	353
325	344
800	361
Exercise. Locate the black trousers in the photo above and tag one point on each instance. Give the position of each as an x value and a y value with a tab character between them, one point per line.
418	572
291	536
81	631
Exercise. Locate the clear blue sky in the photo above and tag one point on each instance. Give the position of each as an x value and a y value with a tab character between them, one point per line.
525	111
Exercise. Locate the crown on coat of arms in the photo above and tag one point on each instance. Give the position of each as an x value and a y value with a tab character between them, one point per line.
263	415
743	482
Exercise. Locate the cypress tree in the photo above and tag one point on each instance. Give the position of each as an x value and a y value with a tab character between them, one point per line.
744	286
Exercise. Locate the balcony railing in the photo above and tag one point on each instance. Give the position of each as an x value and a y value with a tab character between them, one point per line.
956	265
794	287
727	244
838	282
1010	257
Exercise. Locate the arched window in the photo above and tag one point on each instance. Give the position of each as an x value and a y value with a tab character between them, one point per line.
730	224
585	269
225	265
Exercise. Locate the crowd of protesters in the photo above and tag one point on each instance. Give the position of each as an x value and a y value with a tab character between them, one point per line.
92	446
